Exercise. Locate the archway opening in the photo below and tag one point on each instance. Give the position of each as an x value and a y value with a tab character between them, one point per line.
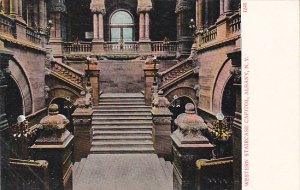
228	99
177	107
121	26
13	101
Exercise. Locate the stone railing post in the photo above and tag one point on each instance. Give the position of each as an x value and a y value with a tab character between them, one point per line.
143	9
54	145
161	117
82	121
93	73
5	56
189	145
150	71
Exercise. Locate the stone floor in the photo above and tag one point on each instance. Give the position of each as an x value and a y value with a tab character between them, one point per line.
123	172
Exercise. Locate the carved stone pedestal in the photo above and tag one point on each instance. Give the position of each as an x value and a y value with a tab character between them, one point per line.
54	145
93	74
150	71
82	121
189	145
162	127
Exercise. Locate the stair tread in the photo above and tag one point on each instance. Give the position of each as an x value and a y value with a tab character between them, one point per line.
121	106
122	114
95	148
123	132
116	137
122	143
122	127
135	122
122	117
120	95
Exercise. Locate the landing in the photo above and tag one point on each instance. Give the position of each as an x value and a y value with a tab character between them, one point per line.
123	172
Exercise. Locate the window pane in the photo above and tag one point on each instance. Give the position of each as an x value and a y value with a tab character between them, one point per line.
127	34
115	34
121	17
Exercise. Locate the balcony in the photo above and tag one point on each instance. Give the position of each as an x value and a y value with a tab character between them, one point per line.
16	31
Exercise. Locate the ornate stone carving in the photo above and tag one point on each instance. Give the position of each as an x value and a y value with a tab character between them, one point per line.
58	6
236	73
197	89
144	6
183	5
98	6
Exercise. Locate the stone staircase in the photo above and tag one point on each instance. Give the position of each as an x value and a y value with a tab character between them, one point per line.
122	124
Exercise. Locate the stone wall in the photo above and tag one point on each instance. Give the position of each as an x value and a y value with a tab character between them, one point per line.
121	76
30	64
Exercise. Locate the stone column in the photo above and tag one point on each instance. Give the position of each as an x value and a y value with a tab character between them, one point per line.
82	121
150	71
5	56
206	13
199	12
227	7
161	117
42	14
221	7
141	26
14	8
93	73
95	26
5	6
54	145
20	8
189	145
101	27
147	26
235	56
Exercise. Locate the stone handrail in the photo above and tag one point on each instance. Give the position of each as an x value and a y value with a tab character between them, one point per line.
210	34
127	46
208	175
175	71
33	36
162	46
77	47
234	23
67	73
5	25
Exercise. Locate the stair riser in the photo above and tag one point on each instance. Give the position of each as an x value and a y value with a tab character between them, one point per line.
121	123
121	103
120	109
118	138
121	129
124	145
99	118
122	114
122	134
123	152
121	100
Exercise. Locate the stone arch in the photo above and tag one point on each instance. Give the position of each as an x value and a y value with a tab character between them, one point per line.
20	77
188	92
59	91
219	85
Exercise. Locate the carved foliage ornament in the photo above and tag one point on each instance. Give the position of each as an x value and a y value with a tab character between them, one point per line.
98	6
144	6
183	5
236	73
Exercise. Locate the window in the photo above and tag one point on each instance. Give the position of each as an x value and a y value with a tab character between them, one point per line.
121	26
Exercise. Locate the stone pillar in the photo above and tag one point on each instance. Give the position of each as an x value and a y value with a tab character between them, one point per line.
5	56
150	71
82	121
95	26
93	73
101	29
199	13
20	8
5	6
147	26
36	13
161	117
221	7
227	7
14	8
42	14
206	13
141	26
54	145
189	145
235	56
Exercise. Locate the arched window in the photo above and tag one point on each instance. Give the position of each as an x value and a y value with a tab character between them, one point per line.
121	26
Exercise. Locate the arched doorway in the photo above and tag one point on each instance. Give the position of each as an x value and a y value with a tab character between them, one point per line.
121	26
177	107
228	99
13	101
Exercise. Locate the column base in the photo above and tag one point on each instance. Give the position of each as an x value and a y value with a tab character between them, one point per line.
145	46
97	46
57	48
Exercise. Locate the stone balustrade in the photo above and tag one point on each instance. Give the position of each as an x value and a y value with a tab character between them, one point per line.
33	36
234	23
67	73
5	25
210	35
125	47
164	47
77	47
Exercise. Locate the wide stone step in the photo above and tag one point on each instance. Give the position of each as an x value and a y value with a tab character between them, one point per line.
123	133
122	143
120	103
118	113
122	122
122	95
121	150
122	110
121	106
121	138
120	118
121	127
112	100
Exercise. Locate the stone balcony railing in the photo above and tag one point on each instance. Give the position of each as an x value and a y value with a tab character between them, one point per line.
68	74
126	47
223	30
16	31
161	47
77	47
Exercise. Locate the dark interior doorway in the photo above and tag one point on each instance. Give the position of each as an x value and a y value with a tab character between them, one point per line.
228	99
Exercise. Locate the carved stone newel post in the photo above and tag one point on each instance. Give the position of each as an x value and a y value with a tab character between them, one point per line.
162	126
150	71
82	121
93	73
54	144
189	145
